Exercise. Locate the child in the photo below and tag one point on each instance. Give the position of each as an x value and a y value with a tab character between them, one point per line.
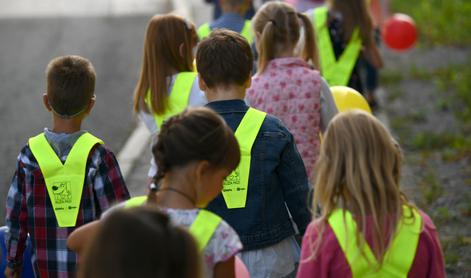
149	246
195	151
287	86
232	19
367	227
271	172
345	35
64	178
167	84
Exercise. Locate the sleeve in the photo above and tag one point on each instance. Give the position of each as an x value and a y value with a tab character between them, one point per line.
307	263
225	243
328	107
109	185
294	183
197	97
16	217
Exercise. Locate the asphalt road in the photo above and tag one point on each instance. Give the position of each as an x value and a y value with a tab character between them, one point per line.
113	44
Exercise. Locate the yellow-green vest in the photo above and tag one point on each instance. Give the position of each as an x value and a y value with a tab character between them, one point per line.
336	72
205	30
179	96
202	228
399	256
64	182
235	186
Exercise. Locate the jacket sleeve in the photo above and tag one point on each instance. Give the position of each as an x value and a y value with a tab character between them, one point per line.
294	183
109	185
16	217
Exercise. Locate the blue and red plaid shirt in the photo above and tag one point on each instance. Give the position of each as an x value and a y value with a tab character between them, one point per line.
29	211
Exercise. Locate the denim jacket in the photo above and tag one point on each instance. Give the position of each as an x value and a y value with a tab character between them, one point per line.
277	176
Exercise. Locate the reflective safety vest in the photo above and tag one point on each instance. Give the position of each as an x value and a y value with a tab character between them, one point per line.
64	182
202	228
205	30
179	96
236	184
399	256
336	72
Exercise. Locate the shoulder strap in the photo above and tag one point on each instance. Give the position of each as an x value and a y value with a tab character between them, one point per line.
204	31
248	129
135	201
204	227
247	32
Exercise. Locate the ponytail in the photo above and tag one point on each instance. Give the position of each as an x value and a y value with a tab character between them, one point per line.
266	45
310	51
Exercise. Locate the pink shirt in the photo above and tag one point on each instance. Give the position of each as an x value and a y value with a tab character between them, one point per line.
291	90
331	261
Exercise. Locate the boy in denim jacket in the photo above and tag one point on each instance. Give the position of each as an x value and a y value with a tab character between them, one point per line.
276	176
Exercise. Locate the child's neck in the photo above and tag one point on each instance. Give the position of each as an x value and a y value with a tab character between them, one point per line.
225	93
285	53
61	125
175	192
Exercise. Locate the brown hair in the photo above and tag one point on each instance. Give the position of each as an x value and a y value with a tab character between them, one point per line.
140	242
70	85
224	58
358	170
279	26
355	13
194	135
162	58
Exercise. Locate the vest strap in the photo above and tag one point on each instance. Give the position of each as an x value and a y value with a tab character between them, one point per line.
336	72
247	32
204	31
179	96
236	184
64	182
204	227
135	201
399	256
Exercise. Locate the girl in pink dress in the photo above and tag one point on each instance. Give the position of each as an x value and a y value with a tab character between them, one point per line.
288	86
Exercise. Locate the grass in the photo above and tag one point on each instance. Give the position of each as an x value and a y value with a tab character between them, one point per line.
439	22
430	189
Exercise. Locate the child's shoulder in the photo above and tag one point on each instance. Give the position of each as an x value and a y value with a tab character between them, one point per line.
273	124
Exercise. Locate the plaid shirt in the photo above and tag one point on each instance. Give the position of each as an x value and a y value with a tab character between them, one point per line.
29	210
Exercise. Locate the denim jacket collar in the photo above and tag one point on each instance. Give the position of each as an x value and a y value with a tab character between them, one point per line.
228	106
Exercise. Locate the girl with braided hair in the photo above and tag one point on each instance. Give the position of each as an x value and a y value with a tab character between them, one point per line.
194	153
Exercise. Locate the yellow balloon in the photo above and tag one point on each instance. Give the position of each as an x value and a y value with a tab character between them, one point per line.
347	98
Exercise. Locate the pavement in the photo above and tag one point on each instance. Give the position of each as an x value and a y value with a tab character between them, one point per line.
108	32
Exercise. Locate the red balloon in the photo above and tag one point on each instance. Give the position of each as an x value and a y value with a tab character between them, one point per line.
399	32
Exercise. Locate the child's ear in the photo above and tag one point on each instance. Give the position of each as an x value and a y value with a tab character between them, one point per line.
201	83
248	83
202	168
46	102
91	103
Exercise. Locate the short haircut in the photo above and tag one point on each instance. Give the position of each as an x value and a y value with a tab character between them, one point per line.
70	85
224	58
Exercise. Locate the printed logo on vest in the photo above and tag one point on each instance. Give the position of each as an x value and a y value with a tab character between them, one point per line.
232	180
62	192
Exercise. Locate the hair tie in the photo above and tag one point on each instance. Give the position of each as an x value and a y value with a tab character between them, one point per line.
153	187
273	22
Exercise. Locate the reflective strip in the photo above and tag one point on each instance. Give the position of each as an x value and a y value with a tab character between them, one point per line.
236	184
64	182
246	31
399	256
178	98
204	31
336	72
204	227
135	201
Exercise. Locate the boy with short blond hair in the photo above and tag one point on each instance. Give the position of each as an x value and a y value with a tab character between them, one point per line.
64	178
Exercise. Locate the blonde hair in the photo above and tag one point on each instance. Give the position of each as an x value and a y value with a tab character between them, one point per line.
279	27
162	45
358	170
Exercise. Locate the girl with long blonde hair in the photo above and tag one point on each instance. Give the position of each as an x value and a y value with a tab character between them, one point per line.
167	83
366	224
286	84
